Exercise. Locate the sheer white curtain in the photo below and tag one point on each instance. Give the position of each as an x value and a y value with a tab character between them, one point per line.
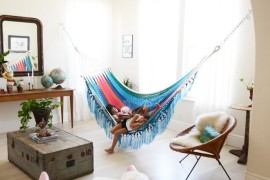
88	27
157	44
207	23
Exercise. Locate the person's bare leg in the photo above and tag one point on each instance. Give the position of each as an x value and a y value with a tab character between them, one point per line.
157	108
115	128
115	139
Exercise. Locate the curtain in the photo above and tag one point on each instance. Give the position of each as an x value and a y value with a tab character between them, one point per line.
207	23
157	44
87	36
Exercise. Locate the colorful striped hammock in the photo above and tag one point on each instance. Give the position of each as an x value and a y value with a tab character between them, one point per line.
104	88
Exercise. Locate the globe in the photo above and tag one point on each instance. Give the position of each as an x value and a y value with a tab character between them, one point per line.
46	81
58	76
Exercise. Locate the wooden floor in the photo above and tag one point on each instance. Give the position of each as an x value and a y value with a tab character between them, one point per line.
156	160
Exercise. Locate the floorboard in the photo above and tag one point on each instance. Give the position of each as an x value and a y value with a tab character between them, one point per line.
156	160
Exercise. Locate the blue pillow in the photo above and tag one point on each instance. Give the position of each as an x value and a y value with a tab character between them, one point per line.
208	134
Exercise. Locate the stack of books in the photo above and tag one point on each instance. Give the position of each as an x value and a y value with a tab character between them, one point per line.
35	137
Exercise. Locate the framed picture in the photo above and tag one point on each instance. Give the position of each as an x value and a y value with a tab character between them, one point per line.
18	43
127	46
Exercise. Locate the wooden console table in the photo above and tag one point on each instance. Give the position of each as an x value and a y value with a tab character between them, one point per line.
42	93
243	153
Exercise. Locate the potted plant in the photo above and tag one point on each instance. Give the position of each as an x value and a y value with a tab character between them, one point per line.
41	109
127	82
2	60
249	86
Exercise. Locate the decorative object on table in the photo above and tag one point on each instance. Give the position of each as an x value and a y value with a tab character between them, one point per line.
43	134
10	84
41	109
2	91
249	86
35	137
58	76
46	81
2	60
19	84
8	75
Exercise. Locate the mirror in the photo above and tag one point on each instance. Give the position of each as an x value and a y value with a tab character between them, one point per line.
22	36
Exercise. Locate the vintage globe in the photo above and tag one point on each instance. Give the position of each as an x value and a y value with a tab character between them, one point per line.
46	81
58	76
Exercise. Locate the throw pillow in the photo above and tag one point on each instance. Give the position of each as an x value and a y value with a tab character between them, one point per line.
208	134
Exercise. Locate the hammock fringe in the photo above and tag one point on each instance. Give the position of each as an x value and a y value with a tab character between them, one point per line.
155	125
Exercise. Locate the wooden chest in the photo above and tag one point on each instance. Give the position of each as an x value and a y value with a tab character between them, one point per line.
67	157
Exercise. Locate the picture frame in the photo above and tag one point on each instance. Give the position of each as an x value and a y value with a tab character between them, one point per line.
18	44
127	46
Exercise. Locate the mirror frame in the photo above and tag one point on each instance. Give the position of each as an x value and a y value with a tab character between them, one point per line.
3	18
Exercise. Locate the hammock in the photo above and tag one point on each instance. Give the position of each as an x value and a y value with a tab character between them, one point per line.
104	88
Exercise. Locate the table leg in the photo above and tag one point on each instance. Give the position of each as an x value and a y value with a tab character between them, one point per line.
71	108
243	153
62	108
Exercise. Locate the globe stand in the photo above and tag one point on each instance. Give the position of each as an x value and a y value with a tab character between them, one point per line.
59	87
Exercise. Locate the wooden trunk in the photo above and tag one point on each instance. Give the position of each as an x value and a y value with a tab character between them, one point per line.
67	157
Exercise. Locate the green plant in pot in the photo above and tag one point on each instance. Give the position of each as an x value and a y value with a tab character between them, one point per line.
40	108
2	59
127	82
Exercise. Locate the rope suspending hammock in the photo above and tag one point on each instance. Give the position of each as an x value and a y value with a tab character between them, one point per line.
104	88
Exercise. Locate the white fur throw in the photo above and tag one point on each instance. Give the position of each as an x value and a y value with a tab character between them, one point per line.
188	140
216	119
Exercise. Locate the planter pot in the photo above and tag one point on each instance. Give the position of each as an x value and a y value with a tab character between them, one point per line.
251	94
19	89
41	115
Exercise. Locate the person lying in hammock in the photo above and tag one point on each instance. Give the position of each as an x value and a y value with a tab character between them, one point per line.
125	112
127	124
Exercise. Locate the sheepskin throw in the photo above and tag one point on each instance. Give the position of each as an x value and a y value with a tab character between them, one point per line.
217	120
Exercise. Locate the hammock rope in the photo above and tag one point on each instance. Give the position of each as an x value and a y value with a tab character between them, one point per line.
104	88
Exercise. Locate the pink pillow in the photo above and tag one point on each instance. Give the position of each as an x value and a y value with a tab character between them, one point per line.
44	176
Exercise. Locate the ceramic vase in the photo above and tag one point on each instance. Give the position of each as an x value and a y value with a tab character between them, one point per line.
10	84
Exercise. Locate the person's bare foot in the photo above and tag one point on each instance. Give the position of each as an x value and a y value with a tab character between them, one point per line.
109	151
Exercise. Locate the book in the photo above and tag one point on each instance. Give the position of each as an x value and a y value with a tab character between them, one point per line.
38	139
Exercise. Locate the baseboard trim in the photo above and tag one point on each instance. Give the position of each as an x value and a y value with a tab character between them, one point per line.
252	176
232	140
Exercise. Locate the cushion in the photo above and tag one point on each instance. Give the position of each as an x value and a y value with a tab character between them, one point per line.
208	134
216	119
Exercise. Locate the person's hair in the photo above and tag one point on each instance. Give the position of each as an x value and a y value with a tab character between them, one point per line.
147	116
109	108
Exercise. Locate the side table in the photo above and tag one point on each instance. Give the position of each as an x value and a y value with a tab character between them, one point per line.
42	93
243	153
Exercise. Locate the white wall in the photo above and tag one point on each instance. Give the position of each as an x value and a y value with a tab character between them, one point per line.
50	13
125	20
259	156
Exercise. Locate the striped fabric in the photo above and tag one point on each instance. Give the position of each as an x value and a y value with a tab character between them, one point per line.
104	88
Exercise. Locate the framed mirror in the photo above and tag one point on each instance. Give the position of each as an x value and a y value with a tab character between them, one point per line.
22	37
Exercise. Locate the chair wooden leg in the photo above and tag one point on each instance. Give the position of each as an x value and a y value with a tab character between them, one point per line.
223	168
198	158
